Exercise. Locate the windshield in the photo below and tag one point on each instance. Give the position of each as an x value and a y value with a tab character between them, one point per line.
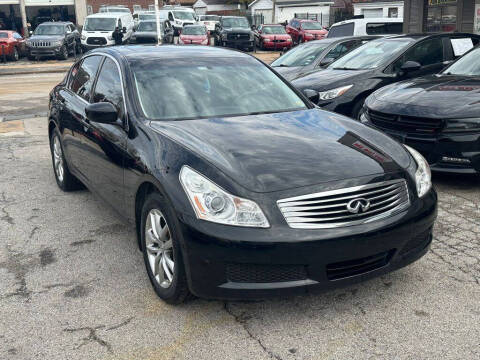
100	24
371	55
49	30
183	15
467	65
146	17
235	23
148	26
210	87
3	35
209	18
312	26
273	30
194	30
300	55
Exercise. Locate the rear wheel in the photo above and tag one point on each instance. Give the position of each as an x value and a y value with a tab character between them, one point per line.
161	250
357	109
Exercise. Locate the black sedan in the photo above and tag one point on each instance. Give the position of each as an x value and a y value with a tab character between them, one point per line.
438	115
316	55
346	83
238	186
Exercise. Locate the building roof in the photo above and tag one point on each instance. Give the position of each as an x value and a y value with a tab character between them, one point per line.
219	2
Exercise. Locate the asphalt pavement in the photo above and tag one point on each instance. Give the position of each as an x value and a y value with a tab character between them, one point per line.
73	283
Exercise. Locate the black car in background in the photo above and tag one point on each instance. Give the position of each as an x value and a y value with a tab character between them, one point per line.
316	55
239	187
146	32
234	32
346	83
438	115
57	39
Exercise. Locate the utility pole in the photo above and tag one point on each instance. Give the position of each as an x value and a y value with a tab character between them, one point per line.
23	14
157	17
274	5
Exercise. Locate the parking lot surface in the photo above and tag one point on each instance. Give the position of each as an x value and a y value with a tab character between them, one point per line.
73	283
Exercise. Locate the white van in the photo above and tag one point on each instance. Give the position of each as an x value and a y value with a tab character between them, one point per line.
114	9
366	26
98	29
178	16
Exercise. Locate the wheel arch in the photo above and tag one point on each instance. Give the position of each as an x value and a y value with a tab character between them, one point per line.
146	187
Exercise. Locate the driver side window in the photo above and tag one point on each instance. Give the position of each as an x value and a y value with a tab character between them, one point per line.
428	52
109	86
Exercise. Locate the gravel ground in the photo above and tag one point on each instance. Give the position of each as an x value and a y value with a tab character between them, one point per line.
73	284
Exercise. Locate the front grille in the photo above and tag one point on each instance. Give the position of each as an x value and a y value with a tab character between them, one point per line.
256	273
409	124
359	266
146	40
336	208
96	41
40	43
239	37
418	242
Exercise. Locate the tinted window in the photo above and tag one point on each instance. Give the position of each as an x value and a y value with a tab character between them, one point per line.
3	35
427	52
468	65
17	36
50	30
273	30
99	24
147	26
84	77
109	86
341	49
341	30
312	26
235	22
210	87
384	28
300	56
73	74
194	30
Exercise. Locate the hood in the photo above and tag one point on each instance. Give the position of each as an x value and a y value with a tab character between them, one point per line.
437	96
327	79
238	30
289	72
47	37
273	152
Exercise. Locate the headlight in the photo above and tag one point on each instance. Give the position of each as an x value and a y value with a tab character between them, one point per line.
462	125
212	203
205	42
333	93
267	40
84	37
57	43
178	22
109	37
423	176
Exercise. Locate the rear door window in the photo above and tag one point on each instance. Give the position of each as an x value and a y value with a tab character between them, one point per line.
342	30
85	76
384	28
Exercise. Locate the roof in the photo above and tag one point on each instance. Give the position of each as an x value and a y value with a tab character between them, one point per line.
370	20
220	2
113	15
56	23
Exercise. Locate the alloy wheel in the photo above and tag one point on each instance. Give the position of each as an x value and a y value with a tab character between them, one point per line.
158	242
15	54
58	158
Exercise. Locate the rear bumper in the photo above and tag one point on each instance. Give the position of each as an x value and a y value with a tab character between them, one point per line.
221	266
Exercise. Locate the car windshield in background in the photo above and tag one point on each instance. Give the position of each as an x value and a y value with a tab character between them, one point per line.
49	30
147	26
384	28
210	87
468	65
371	55
300	55
194	30
3	35
209	18
312	26
183	15
235	23
144	17
100	24
273	30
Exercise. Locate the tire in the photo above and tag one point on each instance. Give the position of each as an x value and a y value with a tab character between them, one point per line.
357	109
31	58
65	180
161	247
15	55
63	55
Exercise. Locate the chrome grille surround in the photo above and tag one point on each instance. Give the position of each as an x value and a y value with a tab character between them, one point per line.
328	209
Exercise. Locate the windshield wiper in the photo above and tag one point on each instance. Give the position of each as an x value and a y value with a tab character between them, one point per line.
344	68
282	65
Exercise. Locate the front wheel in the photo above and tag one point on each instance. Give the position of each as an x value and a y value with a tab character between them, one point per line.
161	250
357	109
63	55
15	56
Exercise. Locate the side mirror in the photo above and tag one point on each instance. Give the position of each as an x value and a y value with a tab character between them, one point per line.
410	66
102	112
326	61
312	95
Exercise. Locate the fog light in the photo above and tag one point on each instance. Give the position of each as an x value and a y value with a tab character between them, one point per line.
455	160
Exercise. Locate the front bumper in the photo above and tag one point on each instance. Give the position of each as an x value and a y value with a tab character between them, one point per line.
44	51
245	263
239	44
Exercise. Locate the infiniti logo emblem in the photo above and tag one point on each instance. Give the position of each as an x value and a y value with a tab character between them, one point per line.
359	205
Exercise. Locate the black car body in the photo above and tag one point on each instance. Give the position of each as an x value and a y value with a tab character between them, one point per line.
106	136
146	32
234	32
438	115
346	83
316	55
54	39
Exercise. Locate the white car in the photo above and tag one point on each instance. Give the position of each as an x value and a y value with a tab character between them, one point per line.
366	26
209	21
98	29
178	16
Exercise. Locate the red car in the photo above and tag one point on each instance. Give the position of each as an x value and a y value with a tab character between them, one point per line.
194	34
272	37
12	43
305	30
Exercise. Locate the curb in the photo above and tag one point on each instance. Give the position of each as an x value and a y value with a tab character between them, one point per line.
26	71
